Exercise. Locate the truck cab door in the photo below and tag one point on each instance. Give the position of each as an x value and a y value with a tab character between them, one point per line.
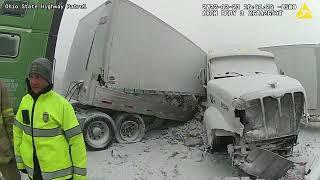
28	30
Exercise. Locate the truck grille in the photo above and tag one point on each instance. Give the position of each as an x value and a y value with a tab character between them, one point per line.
270	117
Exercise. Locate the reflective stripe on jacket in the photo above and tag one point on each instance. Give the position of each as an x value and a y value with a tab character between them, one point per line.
50	126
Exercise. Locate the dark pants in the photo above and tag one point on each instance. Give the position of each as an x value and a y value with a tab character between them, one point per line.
9	171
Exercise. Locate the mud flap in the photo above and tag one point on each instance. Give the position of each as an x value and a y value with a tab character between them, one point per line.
262	163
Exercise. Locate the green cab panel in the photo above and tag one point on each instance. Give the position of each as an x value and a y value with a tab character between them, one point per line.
28	30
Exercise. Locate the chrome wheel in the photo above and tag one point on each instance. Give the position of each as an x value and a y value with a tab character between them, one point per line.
98	134
98	131
129	130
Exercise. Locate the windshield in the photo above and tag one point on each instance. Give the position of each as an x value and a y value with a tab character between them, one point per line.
242	65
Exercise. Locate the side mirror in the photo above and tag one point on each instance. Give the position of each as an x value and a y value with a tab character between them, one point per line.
305	119
202	77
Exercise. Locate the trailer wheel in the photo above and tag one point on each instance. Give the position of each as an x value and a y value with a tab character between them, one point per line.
130	128
98	131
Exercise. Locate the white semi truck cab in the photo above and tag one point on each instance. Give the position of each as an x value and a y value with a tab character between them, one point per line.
251	105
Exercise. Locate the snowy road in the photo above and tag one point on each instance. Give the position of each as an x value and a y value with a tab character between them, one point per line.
157	159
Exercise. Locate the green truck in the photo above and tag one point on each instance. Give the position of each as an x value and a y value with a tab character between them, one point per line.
28	30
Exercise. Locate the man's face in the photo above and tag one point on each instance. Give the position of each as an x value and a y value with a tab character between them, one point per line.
37	83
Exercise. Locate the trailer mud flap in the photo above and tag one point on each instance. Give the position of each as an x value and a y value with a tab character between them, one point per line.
262	163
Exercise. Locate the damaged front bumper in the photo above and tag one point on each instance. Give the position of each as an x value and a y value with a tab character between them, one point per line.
262	163
262	159
282	146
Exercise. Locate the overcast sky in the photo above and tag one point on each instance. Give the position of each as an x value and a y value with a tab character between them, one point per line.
209	32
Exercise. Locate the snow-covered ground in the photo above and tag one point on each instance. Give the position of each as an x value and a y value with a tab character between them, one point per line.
162	155
172	153
308	148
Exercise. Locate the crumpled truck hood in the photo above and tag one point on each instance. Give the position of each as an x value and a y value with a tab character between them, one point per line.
252	86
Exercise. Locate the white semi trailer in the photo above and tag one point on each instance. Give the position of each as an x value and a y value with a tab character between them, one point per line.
127	67
132	65
301	62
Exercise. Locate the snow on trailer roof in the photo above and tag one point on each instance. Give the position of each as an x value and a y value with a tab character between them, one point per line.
144	11
239	52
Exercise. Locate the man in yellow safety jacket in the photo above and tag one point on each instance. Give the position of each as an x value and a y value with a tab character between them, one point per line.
48	142
8	167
